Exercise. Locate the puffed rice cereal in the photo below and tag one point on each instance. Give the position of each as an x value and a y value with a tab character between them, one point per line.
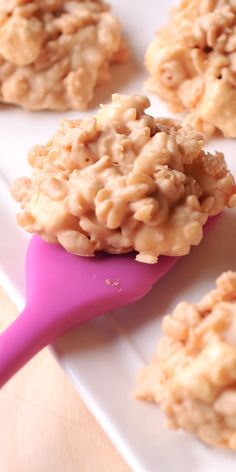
193	373
53	53
123	180
192	63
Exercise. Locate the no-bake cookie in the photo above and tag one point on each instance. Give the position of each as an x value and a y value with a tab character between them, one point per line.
193	373
121	181
192	63
53	53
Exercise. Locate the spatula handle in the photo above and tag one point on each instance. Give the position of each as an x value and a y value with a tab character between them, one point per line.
20	342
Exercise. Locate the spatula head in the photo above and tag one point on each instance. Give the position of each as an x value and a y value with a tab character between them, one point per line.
64	290
73	288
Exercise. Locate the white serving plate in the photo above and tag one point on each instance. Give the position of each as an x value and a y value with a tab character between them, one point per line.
103	356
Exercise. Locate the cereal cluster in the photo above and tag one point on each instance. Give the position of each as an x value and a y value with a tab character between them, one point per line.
193	373
53	53
123	181
192	62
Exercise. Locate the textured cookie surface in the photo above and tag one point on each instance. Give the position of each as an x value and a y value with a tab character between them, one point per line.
53	53
192	63
193	372
122	181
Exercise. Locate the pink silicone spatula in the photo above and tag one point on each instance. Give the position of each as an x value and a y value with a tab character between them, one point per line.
64	290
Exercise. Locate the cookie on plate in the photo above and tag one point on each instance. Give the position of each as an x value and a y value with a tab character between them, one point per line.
193	372
192	64
53	53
